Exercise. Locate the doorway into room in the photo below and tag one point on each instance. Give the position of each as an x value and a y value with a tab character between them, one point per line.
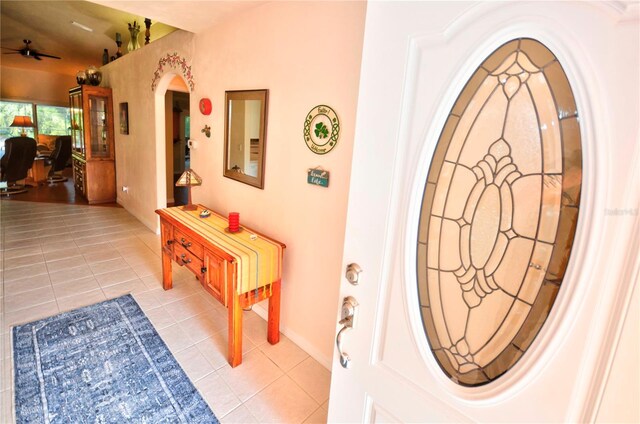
177	133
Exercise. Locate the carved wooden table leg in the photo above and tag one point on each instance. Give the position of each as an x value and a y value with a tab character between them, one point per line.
273	326
235	325
167	281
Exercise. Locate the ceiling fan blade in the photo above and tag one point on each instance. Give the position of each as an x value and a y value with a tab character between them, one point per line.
12	53
45	55
9	48
36	57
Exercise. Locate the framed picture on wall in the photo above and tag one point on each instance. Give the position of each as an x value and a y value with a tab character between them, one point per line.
124	118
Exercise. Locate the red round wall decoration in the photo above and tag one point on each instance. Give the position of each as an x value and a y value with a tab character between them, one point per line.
205	106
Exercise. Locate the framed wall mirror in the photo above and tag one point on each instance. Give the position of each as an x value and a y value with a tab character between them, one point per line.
244	134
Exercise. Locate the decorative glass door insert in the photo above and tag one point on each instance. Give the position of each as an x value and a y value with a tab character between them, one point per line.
499	212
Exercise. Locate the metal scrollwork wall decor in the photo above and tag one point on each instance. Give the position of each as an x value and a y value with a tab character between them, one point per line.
499	212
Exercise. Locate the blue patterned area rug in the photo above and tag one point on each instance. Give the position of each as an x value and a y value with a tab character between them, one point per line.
103	363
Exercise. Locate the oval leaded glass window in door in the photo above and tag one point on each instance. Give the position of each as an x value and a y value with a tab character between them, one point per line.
499	212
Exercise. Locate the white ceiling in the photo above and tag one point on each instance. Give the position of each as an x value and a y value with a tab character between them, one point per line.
48	25
193	16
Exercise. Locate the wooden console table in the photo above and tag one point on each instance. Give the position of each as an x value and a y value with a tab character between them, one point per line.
238	269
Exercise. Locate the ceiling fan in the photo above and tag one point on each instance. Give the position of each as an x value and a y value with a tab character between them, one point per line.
27	51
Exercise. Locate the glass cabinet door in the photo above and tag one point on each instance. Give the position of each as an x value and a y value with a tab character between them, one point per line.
77	125
99	136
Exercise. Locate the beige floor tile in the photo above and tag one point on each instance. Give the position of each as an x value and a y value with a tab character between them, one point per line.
28	299
282	402
58	246
217	394
7	414
23	261
64	264
88	241
175	338
147	268
148	300
140	258
25	284
203	325
254	374
25	251
216	348
74	287
115	277
153	281
186	308
117	290
108	265
24	272
30	314
285	353
193	363
101	256
160	318
67	252
256	329
313	378
96	248
79	300
240	415
70	274
176	293
318	417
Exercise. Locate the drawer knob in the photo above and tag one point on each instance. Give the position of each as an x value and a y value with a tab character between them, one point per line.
184	260
203	270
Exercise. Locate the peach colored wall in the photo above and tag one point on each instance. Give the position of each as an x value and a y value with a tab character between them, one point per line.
278	46
35	86
130	79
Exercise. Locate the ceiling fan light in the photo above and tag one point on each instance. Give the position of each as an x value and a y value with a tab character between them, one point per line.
81	26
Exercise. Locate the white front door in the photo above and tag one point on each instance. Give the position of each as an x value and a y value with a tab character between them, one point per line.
417	59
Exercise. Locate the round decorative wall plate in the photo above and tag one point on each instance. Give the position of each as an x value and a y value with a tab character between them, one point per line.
321	129
205	106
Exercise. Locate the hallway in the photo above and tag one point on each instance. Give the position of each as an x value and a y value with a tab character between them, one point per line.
60	257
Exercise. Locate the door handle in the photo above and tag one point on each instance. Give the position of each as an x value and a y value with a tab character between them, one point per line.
347	320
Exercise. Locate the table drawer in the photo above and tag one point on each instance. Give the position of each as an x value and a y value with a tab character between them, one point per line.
188	243
185	257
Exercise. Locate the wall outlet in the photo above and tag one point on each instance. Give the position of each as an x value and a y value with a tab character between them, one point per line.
125	189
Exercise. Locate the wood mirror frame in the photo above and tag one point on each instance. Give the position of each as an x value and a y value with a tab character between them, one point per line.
244	154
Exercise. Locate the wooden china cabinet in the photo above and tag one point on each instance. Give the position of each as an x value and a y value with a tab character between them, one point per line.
93	155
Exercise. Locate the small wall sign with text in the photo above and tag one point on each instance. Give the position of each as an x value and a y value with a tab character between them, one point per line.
321	129
318	176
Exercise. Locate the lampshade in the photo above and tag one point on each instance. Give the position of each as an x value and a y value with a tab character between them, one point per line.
21	121
189	179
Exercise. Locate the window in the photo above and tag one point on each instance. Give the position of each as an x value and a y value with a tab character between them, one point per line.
53	120
7	111
499	213
50	120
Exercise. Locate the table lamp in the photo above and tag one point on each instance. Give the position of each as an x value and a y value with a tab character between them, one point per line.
22	122
189	179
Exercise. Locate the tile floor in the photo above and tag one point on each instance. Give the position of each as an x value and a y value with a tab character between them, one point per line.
59	257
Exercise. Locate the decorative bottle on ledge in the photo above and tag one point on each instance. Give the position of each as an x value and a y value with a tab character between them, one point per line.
134	30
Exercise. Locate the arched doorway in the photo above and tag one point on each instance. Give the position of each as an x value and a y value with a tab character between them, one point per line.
172	99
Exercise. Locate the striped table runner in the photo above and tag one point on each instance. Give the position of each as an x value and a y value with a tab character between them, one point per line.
258	260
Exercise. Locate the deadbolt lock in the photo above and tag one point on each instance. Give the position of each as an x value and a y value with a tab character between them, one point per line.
353	273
